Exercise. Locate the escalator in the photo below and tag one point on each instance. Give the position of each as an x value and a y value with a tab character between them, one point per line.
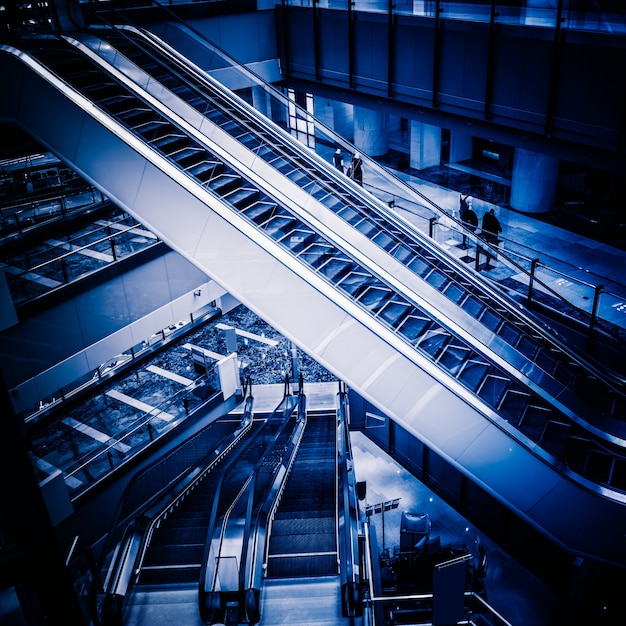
303	541
162	541
602	391
176	547
290	252
224	586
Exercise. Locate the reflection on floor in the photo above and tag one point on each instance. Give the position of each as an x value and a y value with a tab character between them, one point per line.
514	592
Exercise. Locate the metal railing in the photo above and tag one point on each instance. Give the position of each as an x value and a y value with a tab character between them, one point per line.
476	609
531	270
569	14
71	260
595	302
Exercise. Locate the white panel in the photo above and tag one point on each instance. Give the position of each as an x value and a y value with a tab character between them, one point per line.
526	480
228	370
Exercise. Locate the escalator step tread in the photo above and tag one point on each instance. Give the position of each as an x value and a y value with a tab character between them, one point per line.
181	535
189	575
174	555
303	526
302	567
307	507
302	544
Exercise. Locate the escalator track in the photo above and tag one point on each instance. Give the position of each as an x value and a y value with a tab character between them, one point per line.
589	382
586	451
494	396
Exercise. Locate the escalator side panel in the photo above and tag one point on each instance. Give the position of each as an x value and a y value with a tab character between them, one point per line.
264	277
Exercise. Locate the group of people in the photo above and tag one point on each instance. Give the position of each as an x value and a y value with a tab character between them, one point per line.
490	227
355	169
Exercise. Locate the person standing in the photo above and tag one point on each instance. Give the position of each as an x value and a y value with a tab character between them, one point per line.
491	229
338	160
468	217
357	168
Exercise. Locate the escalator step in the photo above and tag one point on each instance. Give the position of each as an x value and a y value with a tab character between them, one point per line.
303	567
174	555
194	534
173	575
303	544
303	526
298	508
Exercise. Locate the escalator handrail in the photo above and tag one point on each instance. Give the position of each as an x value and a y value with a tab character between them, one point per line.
151	153
348	517
513	369
611	378
132	545
438	211
208	573
257	545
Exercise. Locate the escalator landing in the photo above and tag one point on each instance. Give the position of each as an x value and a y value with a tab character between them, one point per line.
302	601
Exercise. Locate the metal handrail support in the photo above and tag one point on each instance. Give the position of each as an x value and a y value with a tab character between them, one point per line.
594	313
431	226
372	598
531	279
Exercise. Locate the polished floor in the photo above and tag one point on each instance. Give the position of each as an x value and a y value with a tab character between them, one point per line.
514	592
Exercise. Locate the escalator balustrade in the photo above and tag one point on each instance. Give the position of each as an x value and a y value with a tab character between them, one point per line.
237	497
538	420
599	389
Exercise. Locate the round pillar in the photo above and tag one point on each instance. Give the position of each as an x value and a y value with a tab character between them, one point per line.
425	145
534	183
371	131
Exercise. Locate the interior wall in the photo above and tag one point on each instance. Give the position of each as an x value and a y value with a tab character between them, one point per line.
546	560
41	341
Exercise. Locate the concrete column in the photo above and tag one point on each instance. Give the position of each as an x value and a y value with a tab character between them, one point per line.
371	131
338	116
534	182
460	146
344	120
425	145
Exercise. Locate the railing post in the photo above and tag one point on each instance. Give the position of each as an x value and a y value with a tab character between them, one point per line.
431	226
479	251
533	266
64	271
594	313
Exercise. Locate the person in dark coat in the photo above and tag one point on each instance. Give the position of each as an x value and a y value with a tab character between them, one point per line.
468	217
491	228
338	160
356	170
